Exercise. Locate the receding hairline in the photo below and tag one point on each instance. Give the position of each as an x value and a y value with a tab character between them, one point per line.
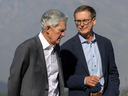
86	8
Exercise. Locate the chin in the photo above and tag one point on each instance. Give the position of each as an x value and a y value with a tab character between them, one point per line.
84	33
57	42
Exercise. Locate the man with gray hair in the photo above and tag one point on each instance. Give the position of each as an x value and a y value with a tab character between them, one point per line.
36	67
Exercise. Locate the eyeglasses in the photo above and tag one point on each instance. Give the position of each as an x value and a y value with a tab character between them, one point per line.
85	21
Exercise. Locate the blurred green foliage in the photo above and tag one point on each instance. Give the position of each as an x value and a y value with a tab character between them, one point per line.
3	94
124	93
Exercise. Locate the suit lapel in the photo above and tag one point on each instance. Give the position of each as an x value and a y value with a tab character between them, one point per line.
80	53
57	49
60	76
40	56
101	50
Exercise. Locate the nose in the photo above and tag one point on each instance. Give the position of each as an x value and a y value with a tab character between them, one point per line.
82	23
63	34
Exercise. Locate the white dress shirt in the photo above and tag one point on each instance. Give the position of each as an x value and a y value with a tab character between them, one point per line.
93	59
52	66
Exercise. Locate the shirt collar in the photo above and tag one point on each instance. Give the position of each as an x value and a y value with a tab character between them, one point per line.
82	40
44	42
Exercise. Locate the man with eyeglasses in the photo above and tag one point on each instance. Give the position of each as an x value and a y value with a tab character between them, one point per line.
88	59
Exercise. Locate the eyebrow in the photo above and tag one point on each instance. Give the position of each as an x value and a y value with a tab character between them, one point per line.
62	30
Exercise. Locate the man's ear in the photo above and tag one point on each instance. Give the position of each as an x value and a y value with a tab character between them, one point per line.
94	21
48	29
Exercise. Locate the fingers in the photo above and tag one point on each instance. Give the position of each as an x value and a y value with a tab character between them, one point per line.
92	80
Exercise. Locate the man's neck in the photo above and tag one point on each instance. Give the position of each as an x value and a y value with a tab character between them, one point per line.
47	37
89	36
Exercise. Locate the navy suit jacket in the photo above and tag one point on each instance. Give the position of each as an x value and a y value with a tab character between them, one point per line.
28	72
75	67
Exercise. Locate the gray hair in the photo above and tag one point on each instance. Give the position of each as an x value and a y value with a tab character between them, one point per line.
52	18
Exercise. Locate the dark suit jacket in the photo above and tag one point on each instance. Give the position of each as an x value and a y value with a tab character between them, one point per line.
28	73
75	67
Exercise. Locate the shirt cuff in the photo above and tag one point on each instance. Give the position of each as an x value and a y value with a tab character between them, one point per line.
85	81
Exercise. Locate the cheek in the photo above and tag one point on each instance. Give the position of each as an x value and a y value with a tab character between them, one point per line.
91	26
57	36
78	27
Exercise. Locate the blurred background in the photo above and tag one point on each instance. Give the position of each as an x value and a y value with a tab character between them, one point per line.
20	20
